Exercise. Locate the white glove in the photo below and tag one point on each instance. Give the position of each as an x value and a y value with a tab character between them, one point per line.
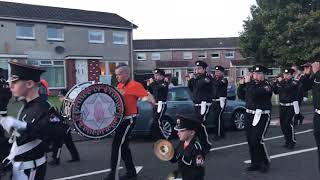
305	99
9	123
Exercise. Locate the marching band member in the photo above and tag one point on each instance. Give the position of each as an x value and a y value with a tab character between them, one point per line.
312	81
29	130
189	154
63	137
158	87
287	88
131	91
220	87
257	93
201	87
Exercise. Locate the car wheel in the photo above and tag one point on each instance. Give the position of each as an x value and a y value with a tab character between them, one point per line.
167	128
238	119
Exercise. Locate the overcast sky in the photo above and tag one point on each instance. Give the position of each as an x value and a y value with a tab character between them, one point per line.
169	18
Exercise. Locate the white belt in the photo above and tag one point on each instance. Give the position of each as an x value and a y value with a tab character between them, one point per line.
22	165
162	103
129	117
286	104
253	111
208	104
216	100
317	111
3	112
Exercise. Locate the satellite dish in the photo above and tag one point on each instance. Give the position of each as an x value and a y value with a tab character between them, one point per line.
59	49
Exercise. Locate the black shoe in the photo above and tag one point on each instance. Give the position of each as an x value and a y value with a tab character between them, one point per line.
54	162
285	145
264	168
74	160
291	146
253	168
129	177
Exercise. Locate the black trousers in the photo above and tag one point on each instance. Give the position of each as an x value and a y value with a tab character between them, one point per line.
120	148
67	140
37	173
217	119
202	131
316	132
157	131
286	123
255	137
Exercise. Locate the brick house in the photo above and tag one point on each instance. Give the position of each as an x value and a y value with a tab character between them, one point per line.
177	56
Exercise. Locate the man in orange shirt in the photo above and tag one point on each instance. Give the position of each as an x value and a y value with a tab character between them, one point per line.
131	92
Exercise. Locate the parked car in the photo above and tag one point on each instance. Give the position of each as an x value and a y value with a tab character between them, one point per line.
179	101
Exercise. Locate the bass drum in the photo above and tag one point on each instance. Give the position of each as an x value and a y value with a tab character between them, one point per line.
94	109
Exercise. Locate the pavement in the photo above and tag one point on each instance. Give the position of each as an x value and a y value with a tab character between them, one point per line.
226	161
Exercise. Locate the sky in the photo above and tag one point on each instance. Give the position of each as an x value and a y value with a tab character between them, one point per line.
164	19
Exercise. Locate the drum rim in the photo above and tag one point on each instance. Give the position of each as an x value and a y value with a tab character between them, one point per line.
79	131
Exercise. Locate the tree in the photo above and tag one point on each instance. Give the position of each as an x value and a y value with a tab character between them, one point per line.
282	31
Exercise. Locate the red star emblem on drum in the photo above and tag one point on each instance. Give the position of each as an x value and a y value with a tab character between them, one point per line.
98	111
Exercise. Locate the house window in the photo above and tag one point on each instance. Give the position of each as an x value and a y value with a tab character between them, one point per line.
25	31
141	56
96	36
155	56
187	55
215	55
55	33
4	65
107	69
229	54
55	72
120	37
202	55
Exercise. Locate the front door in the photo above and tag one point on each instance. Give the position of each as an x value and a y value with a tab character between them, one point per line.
81	71
177	74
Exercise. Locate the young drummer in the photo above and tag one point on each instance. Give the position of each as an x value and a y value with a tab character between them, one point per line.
189	154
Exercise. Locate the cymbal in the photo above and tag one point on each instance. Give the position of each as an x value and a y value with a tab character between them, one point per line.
164	150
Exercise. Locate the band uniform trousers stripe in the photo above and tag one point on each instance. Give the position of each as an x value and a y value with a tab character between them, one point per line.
58	153
292	129
120	147
159	121
33	173
219	122
204	127
262	138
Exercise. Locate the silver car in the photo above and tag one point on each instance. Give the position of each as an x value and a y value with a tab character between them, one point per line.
179	102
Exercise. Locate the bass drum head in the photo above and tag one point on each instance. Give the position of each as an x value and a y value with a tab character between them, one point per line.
97	111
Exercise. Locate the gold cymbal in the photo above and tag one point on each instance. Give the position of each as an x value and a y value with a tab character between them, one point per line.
164	150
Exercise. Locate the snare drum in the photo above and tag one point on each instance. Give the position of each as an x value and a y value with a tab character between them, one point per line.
94	109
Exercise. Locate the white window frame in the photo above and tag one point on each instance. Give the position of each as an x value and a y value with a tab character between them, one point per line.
120	33
215	52
187	55
96	41
229	57
39	63
55	39
25	37
155	56
202	53
144	54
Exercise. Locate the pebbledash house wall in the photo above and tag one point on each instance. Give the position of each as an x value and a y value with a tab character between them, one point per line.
76	44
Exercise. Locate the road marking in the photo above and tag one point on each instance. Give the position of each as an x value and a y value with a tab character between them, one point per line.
287	154
267	139
138	169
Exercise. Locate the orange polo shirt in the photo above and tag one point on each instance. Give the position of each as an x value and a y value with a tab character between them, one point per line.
131	93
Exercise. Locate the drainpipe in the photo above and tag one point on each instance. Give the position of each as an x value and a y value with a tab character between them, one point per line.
131	51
